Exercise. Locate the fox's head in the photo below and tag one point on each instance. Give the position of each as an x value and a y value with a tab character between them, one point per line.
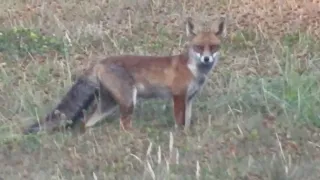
203	46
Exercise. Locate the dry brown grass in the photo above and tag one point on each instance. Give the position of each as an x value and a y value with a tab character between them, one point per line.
239	132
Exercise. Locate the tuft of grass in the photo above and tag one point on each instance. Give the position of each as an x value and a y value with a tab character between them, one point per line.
19	42
294	95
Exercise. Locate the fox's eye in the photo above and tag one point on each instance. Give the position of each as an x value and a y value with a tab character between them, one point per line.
198	47
214	47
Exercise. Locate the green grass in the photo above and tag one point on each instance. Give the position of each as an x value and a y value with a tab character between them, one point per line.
237	108
19	42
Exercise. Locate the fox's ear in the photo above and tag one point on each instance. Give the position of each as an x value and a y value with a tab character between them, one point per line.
189	27
221	26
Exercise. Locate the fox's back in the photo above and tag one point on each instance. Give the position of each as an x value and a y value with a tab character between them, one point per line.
153	76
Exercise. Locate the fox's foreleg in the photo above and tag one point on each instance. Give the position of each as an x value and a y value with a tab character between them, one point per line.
182	106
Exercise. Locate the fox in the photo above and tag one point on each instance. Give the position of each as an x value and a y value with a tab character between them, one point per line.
118	81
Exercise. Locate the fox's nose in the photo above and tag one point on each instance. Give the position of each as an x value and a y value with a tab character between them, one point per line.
206	59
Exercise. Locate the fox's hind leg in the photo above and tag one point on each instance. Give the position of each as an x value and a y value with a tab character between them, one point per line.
126	110
119	83
105	106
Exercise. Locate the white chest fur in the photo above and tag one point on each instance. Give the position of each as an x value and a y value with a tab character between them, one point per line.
195	86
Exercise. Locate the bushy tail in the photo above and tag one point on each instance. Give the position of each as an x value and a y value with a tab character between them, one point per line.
77	99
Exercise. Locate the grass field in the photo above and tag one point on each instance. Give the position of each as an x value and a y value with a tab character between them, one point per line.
257	118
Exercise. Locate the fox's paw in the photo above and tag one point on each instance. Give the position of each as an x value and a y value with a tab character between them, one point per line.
126	126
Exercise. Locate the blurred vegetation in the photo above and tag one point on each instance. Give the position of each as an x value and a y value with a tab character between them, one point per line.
17	43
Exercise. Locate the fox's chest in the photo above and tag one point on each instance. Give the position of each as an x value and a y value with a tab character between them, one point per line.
195	86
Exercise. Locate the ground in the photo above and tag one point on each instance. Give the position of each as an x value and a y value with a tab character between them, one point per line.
257	117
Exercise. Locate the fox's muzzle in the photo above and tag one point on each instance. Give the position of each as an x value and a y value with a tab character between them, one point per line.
209	58
206	61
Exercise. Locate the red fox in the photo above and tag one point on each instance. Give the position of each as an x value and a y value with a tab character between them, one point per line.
121	80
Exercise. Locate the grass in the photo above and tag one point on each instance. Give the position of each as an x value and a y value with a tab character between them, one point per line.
257	117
